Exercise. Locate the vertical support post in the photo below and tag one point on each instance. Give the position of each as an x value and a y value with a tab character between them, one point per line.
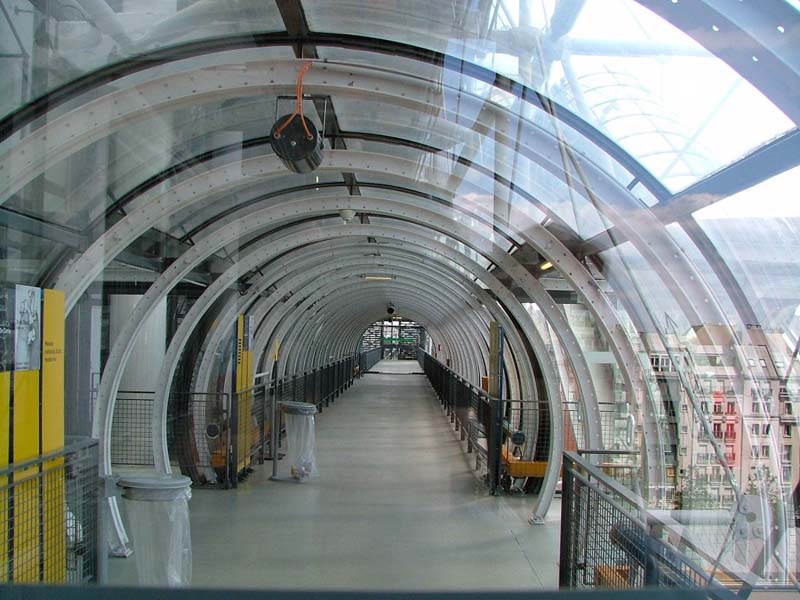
495	443
233	439
233	423
228	457
102	531
566	558
262	439
275	433
495	440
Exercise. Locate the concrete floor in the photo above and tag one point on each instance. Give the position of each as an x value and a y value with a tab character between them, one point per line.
396	507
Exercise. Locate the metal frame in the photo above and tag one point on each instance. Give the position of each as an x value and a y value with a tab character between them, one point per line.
253	222
344	230
651	254
41	106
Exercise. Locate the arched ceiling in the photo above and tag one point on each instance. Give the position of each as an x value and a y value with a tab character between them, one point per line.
498	156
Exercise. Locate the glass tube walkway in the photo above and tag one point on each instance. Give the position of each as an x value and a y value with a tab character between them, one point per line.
397	506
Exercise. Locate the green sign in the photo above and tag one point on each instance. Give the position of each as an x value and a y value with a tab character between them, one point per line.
398	340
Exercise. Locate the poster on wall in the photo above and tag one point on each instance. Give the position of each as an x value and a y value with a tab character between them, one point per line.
7	310
27	328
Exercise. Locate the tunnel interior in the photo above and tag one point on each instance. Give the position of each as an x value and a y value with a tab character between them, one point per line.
580	214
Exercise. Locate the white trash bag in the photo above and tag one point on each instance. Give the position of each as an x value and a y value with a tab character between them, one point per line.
161	534
301	440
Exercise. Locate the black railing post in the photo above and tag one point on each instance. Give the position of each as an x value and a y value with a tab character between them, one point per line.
262	438
233	440
495	443
294	388
566	564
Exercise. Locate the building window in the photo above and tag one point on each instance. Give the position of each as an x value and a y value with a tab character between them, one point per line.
755	429
763	363
684	429
684	408
751	363
730	409
684	451
730	453
787	408
730	433
787	431
704	407
766	429
787	453
754	451
717	408
787	473
717	430
756	408
765	451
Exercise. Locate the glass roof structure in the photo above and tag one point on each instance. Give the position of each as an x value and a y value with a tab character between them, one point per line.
616	180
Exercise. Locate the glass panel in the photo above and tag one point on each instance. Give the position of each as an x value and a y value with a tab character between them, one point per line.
27	257
75	39
651	88
711	278
757	233
119	198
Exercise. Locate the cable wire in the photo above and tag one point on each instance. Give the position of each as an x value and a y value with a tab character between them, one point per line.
298	108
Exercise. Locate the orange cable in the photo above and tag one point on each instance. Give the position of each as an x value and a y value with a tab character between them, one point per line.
298	108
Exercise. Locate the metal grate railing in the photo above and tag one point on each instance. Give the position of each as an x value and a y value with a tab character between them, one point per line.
49	533
607	538
510	437
215	438
131	429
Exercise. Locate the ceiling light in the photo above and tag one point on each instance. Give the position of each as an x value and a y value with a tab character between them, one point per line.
546	265
378	277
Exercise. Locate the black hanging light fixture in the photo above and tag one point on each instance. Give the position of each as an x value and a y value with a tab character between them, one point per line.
294	140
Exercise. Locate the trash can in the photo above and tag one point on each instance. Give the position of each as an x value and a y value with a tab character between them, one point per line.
301	440
158	514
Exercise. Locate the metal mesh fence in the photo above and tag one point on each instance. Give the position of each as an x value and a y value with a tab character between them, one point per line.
131	437
214	437
607	539
198	433
511	438
49	533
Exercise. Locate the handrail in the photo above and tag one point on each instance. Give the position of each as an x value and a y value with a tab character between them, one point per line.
43	458
646	518
480	391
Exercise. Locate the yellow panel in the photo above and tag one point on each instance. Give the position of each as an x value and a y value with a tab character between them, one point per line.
247	367
26	415
26	493
26	530
53	371
523	468
53	484
241	420
53	524
5	389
